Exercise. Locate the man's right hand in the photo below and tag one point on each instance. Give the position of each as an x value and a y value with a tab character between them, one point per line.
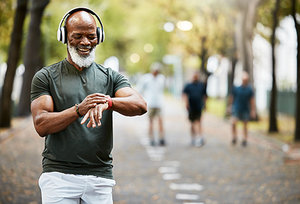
90	102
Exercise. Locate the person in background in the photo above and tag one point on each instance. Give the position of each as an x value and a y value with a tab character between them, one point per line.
152	87
243	107
194	96
77	160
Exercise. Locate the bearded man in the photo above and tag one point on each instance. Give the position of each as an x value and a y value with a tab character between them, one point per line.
77	161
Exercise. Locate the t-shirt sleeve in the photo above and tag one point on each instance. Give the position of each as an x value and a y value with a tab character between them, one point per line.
39	85
205	89
233	91
185	89
251	92
120	81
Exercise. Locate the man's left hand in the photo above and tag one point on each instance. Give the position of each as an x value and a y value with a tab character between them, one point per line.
95	115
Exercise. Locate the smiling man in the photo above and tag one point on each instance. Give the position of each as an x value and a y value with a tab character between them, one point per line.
77	161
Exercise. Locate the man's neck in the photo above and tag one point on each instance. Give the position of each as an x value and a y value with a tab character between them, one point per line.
75	65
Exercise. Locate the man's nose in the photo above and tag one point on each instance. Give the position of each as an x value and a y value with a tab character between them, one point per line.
85	41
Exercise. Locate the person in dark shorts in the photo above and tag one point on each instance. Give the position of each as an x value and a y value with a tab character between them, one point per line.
243	107
194	95
152	87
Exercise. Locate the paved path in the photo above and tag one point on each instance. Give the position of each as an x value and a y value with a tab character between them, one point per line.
215	173
177	173
20	164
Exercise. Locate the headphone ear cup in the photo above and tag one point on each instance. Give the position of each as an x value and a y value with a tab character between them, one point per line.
99	37
63	34
102	35
58	35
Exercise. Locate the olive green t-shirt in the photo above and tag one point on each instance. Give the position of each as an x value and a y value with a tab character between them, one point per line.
78	149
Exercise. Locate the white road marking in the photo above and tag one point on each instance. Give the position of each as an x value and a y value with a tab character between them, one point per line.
181	196
172	163
169	172
156	154
186	186
164	170
168	177
158	150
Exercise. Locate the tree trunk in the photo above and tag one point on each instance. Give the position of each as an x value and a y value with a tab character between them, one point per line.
230	81
203	56
273	99
32	58
245	25
12	62
297	114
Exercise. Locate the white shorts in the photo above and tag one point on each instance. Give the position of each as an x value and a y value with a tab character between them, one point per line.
74	189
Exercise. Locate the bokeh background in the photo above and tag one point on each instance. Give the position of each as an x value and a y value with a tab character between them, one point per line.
219	38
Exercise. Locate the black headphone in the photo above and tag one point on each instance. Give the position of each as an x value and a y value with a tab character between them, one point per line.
62	31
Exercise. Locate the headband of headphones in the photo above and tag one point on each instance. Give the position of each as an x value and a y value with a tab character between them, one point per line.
62	31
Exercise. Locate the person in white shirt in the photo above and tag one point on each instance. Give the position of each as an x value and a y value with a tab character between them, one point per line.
152	87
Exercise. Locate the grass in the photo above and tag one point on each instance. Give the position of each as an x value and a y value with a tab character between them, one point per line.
216	106
286	124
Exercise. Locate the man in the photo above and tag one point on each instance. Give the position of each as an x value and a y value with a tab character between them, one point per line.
77	161
243	107
152	86
194	95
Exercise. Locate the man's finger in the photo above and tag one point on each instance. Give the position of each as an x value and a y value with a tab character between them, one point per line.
86	116
92	119
98	118
100	112
96	95
89	124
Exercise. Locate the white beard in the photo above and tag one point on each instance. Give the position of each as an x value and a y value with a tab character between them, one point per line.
81	61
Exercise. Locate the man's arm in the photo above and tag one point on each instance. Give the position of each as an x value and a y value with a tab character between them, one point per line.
185	100
229	105
126	101
47	122
129	102
252	107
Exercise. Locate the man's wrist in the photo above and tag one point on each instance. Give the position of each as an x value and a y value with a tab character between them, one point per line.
109	102
77	110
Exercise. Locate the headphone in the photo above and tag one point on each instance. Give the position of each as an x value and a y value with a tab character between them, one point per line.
62	30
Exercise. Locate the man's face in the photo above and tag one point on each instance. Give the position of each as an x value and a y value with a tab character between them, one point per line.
195	77
245	78
81	38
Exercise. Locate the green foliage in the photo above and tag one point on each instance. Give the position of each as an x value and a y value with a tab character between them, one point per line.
216	106
130	25
213	21
6	24
265	13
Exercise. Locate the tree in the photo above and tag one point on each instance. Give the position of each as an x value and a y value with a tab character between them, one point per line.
32	57
6	24
273	99
12	62
297	27
246	21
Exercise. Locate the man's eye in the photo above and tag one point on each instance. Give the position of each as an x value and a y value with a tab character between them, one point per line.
92	37
77	37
